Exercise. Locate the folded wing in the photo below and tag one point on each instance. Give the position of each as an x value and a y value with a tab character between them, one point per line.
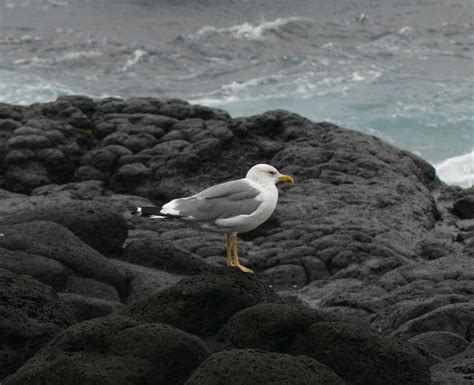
226	200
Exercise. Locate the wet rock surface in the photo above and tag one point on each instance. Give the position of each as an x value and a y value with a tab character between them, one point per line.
367	246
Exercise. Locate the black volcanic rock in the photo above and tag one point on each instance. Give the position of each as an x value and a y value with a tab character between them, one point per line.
95	223
163	255
30	315
242	367
24	176
203	303
86	308
143	281
457	318
57	134
44	269
441	344
457	369
115	350
269	326
91	288
464	207
404	311
361	356
367	232
53	241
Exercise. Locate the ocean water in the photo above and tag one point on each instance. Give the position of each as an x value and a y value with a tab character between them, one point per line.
400	70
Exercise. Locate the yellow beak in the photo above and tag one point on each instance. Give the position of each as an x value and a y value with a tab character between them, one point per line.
286	179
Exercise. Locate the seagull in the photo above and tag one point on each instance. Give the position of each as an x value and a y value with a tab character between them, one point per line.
232	207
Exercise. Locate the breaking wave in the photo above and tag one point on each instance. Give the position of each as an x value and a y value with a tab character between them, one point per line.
248	31
458	170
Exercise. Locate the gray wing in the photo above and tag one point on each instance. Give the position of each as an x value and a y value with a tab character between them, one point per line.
225	200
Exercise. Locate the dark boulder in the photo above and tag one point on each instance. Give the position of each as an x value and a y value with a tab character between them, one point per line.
287	276
44	269
91	288
95	223
144	281
242	367
114	350
129	175
26	176
269	326
464	207
457	318
361	356
53	241
145	105
59	167
30	140
102	159
164	255
85	308
440	344
458	369
393	317
86	173
86	190
83	103
30	315
202	304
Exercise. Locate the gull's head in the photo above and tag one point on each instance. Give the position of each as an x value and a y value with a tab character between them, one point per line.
264	173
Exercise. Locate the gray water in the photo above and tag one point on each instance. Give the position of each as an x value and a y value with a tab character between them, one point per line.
400	70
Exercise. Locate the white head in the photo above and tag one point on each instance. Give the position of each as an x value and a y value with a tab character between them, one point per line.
264	173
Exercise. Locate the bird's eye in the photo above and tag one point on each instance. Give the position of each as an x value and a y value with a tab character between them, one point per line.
272	172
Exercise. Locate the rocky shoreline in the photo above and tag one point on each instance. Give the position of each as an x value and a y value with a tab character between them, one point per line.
364	274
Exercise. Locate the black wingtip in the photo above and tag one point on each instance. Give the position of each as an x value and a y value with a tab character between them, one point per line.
137	212
149	212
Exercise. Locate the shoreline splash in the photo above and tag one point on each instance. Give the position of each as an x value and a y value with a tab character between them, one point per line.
458	170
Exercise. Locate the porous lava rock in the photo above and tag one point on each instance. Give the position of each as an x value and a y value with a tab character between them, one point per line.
53	241
367	232
115	350
247	366
269	326
163	255
95	223
202	304
30	315
46	270
361	356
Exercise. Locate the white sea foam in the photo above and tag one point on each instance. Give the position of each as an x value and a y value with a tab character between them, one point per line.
77	55
67	57
238	92
25	89
305	85
248	31
133	59
458	170
356	77
406	30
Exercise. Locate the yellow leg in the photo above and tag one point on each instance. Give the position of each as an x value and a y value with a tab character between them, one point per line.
236	255
228	244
